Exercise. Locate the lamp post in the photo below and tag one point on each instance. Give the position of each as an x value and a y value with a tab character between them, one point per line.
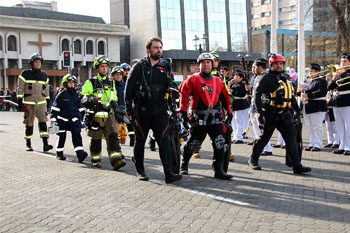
200	45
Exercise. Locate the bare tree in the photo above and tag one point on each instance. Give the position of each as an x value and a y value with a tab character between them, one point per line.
342	12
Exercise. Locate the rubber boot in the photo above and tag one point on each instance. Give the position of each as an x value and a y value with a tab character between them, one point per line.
132	140
184	168
152	143
82	156
140	173
28	145
46	147
219	172
60	156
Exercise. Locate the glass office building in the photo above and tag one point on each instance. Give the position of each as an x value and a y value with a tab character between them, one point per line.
221	23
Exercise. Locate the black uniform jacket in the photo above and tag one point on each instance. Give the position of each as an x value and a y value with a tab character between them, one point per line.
267	85
316	90
341	99
239	101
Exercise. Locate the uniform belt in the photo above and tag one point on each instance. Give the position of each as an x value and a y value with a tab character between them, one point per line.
342	92
320	98
238	98
206	111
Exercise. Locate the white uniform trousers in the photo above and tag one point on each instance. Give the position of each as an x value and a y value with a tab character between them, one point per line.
257	131
313	122
332	136
238	123
342	124
280	140
246	121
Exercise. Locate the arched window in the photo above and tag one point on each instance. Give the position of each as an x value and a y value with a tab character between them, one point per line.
77	47
101	48
65	45
89	47
11	43
0	43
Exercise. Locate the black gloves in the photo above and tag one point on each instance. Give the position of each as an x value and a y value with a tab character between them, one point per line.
261	120
229	119
186	120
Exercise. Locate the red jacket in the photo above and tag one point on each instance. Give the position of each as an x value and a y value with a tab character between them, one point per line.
205	91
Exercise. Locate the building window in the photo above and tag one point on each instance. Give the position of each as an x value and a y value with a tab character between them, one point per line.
77	47
238	25
265	14
194	21
265	2
101	48
217	25
0	43
11	43
89	47
65	45
171	24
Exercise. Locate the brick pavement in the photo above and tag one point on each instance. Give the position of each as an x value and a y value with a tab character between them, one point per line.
41	194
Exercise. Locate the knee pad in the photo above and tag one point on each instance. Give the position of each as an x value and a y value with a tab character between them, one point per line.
219	142
113	142
96	146
194	146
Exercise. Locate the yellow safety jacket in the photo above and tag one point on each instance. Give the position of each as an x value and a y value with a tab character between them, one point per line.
33	87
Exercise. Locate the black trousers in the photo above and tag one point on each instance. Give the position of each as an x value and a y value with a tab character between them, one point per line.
160	126
75	129
197	136
284	123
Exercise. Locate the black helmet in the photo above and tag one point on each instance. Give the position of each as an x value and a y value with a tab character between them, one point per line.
34	57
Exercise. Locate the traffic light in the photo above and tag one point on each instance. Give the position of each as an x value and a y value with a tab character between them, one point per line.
66	59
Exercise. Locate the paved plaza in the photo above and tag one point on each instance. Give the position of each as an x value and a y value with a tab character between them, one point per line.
41	194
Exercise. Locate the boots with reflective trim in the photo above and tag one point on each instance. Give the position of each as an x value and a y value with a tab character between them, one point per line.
117	160
60	156
219	172
96	160
28	145
82	156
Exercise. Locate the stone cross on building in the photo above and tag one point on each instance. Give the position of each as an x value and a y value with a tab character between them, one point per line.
40	43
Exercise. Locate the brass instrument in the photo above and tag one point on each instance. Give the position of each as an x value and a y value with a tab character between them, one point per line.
332	70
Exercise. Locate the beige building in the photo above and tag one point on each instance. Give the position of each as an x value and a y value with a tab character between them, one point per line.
25	31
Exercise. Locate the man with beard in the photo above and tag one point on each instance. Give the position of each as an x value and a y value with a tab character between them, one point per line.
147	108
274	97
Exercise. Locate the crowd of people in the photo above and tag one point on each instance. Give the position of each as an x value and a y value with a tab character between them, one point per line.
209	102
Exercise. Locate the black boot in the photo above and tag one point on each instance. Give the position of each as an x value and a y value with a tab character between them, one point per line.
82	156
60	156
219	172
140	173
152	143
132	140
28	145
301	169
46	147
184	168
172	177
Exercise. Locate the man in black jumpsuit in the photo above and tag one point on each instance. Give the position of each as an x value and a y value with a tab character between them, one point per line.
146	86
274	97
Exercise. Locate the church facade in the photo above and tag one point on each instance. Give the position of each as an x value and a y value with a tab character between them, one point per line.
25	31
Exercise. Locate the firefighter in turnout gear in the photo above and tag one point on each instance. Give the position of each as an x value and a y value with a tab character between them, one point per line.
33	94
209	99
68	113
274	97
100	99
